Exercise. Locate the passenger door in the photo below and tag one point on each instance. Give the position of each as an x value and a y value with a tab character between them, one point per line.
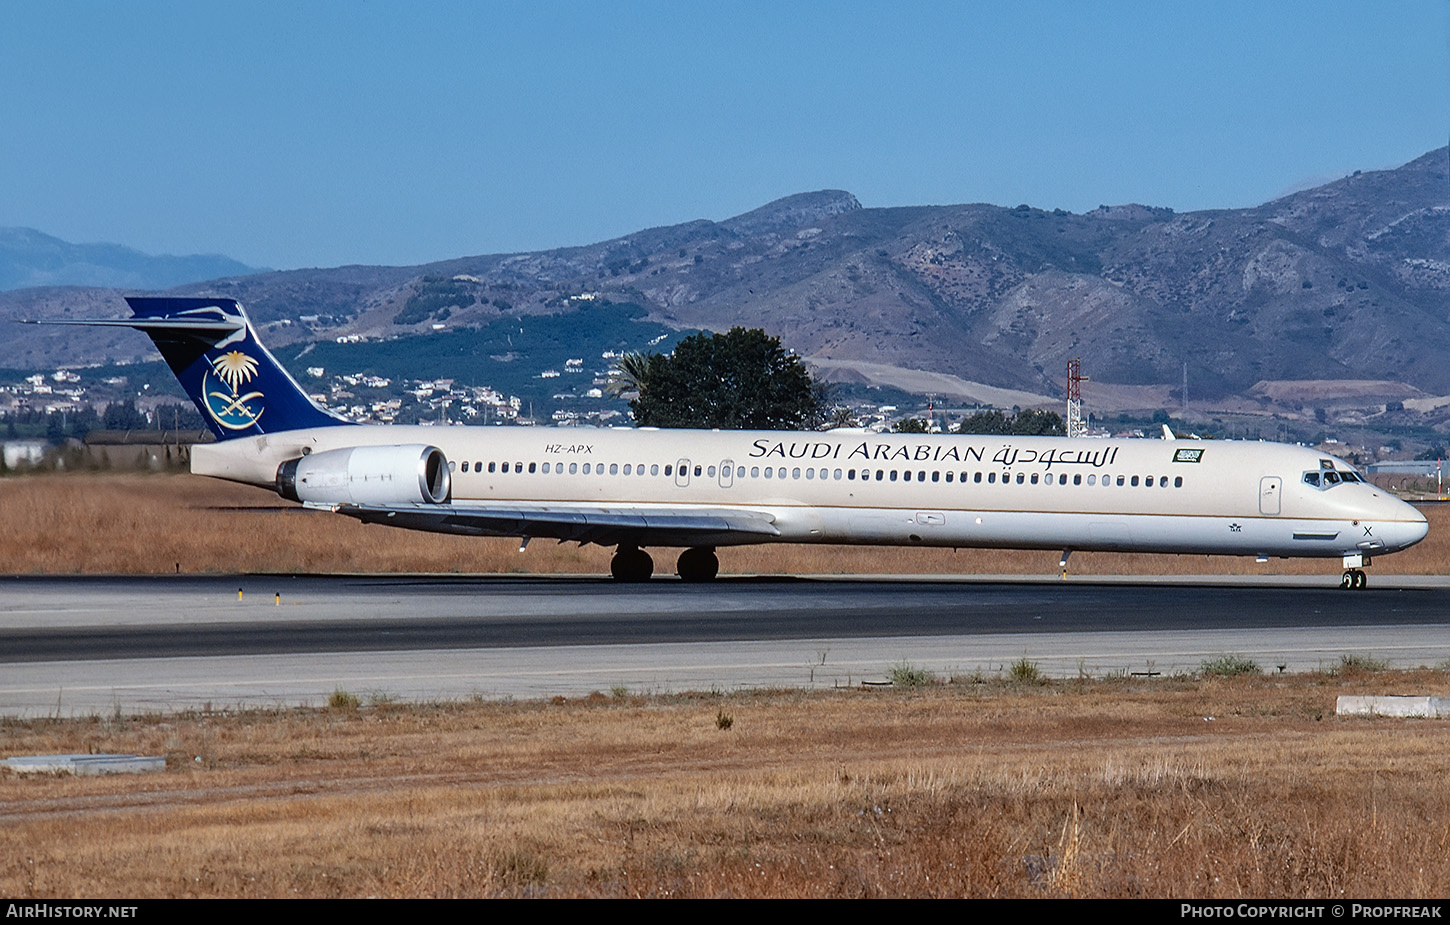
1270	488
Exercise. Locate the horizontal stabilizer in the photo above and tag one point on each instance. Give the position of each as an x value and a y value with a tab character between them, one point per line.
202	328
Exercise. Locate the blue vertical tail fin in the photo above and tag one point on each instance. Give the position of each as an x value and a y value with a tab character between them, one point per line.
237	385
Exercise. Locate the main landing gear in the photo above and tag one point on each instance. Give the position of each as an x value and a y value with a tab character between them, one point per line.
630	563
698	563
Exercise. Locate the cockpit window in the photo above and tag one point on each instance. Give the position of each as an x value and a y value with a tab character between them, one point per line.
1327	478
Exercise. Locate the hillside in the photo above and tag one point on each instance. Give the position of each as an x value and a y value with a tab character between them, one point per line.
1343	281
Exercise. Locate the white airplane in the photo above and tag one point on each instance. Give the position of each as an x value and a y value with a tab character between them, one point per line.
640	488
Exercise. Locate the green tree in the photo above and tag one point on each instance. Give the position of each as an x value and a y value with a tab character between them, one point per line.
124	415
743	379
910	426
628	374
840	416
1029	423
1038	423
986	422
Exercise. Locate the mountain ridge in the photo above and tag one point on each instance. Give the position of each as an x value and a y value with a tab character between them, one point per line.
1346	280
30	258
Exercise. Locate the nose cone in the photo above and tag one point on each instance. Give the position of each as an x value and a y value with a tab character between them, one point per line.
1402	526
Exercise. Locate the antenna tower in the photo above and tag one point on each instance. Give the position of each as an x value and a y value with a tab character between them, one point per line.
1076	427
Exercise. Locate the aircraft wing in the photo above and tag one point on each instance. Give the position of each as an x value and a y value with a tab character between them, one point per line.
606	526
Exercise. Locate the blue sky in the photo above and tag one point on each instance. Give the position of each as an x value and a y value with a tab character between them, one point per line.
296	134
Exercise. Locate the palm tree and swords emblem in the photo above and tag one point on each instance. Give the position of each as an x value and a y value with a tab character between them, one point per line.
232	409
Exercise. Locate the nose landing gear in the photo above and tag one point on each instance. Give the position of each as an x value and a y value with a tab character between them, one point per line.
1354	578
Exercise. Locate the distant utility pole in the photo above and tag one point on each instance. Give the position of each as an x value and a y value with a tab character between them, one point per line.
1076	427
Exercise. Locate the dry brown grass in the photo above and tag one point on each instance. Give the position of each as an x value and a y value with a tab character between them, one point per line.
153	524
1173	788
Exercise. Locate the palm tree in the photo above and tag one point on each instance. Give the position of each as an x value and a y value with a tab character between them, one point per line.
629	374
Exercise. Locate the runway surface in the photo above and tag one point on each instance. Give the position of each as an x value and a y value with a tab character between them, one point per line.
76	646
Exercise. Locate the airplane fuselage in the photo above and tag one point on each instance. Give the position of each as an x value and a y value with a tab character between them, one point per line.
637	488
1211	497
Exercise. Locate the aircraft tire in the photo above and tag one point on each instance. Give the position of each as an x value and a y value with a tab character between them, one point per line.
631	564
698	563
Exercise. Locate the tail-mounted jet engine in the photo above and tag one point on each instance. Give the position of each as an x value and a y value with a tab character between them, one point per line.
408	474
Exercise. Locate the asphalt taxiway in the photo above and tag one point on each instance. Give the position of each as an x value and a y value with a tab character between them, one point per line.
82	645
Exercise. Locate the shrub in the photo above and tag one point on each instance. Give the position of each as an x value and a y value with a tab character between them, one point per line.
342	700
1354	663
1228	666
904	674
1025	672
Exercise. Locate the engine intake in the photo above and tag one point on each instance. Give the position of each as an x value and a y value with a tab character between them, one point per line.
410	474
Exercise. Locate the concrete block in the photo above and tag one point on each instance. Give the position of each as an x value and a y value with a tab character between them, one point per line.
85	764
1426	707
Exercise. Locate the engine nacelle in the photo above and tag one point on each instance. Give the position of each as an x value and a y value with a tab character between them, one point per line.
368	475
